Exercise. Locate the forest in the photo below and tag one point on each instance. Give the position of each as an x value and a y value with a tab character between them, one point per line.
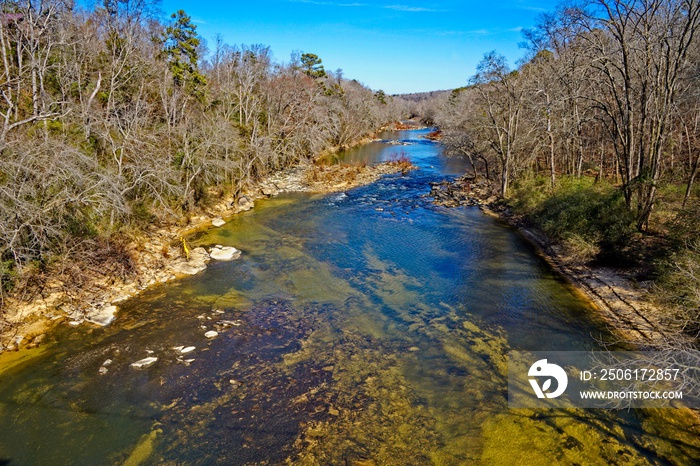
113	120
594	137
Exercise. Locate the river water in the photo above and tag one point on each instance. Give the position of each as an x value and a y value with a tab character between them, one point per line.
368	328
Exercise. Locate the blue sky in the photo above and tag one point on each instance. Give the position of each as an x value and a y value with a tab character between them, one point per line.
395	45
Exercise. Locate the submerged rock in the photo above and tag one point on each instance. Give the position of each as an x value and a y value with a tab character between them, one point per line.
188	349
143	363
211	334
224	253
218	221
103	316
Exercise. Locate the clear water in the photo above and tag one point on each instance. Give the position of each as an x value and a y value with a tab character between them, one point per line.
368	327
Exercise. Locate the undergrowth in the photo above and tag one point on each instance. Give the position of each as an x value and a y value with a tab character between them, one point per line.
592	223
589	219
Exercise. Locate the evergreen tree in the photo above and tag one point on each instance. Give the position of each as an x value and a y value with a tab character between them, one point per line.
180	44
311	65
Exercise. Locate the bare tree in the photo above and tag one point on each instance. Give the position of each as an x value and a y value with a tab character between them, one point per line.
639	51
502	97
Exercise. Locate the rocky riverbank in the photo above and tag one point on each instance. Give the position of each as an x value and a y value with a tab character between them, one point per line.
161	254
623	303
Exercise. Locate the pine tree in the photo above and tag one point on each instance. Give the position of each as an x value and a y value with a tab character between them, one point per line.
311	65
180	44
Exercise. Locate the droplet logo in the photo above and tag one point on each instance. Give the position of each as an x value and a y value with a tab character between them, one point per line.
542	369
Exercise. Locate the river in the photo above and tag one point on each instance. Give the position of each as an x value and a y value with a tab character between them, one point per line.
368	328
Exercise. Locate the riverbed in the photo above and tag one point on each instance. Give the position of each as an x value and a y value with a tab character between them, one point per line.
364	327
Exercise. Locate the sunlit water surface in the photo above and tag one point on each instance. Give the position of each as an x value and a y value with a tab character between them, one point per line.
367	327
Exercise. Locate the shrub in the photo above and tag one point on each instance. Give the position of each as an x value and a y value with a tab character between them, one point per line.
8	275
591	219
679	286
401	161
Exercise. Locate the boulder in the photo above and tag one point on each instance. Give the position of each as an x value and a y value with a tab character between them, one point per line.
183	267
269	191
244	203
224	253
196	263
143	363
102	316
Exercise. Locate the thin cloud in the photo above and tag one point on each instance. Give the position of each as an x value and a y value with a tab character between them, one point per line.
533	8
315	2
412	9
530	5
473	32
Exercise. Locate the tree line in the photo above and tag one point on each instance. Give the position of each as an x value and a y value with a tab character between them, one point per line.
112	119
608	88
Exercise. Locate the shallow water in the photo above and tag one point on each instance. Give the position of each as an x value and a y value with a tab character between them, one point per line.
368	327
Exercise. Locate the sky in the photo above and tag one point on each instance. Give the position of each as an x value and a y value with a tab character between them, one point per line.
399	46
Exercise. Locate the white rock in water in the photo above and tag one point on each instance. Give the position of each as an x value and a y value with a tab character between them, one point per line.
178	348
230	323
107	362
211	334
225	253
103	370
218	221
189	349
145	362
103	316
